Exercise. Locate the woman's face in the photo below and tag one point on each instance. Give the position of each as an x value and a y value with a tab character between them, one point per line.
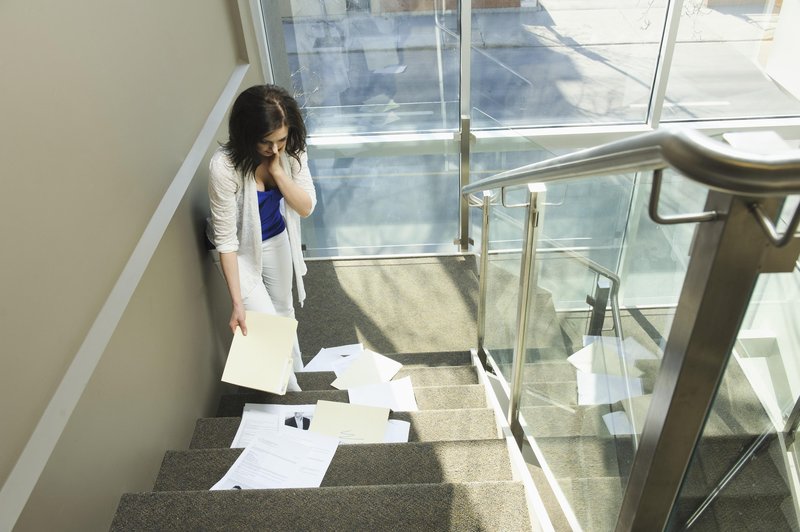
273	142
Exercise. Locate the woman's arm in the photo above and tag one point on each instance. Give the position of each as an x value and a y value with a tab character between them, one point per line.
230	270
222	189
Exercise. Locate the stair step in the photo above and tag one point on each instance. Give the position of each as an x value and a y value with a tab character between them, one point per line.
426	425
420	376
583	457
357	465
569	420
412	507
427	359
428	398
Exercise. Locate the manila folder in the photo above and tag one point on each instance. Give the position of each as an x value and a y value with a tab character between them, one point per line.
262	360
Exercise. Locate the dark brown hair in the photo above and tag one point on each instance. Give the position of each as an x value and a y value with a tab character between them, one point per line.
257	112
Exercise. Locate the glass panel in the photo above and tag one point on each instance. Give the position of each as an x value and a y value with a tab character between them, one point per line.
739	474
539	62
587	385
368	205
656	256
374	70
735	59
369	67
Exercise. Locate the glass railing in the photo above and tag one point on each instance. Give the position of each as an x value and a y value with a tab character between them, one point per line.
587	377
612	400
743	466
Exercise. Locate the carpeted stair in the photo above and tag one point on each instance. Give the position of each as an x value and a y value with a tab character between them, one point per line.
455	473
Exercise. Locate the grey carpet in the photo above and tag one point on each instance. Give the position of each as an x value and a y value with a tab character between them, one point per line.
357	465
390	305
483	506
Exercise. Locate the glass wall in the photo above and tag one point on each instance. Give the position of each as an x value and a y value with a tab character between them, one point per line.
735	59
390	70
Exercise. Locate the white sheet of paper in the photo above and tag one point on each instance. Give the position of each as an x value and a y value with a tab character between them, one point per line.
340	366
617	423
602	355
262	360
598	389
397	395
327	355
350	423
292	459
367	368
255	423
397	431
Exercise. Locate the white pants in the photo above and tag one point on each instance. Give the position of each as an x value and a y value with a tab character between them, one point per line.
274	295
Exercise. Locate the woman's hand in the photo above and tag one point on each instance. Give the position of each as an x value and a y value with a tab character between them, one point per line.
297	198
238	319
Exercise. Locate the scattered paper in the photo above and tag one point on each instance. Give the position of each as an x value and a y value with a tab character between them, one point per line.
618	424
292	459
603	354
631	420
288	414
327	356
255	423
350	423
262	360
367	368
599	389
397	395
397	431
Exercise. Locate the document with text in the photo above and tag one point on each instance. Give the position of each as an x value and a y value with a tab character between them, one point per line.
292	459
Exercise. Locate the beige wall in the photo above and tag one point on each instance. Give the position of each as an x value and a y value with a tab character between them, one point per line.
101	102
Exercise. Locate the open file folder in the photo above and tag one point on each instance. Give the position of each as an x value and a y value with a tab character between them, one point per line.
262	360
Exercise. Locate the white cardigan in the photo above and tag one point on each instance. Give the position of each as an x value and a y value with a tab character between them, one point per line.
235	224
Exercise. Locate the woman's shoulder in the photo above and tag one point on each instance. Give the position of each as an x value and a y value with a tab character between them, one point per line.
220	164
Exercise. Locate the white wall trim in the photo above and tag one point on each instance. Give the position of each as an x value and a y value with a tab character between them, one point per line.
31	463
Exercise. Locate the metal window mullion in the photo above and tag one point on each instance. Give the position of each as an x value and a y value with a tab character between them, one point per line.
664	64
465	43
483	275
276	64
523	311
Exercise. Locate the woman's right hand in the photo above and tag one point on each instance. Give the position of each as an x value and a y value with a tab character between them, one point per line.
238	320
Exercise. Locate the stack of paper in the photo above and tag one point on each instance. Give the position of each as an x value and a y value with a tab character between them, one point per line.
262	360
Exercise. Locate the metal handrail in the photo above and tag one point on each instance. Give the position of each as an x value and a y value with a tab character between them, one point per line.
698	157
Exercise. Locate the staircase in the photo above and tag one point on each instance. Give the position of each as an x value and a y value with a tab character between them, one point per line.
458	471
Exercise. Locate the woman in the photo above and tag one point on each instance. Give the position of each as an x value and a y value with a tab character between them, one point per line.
259	188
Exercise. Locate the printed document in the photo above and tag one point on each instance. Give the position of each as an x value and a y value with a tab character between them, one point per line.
291	459
367	368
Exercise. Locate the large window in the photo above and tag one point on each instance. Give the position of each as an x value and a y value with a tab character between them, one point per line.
381	82
735	59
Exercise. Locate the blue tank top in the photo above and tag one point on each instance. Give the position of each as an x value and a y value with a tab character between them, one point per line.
269	206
